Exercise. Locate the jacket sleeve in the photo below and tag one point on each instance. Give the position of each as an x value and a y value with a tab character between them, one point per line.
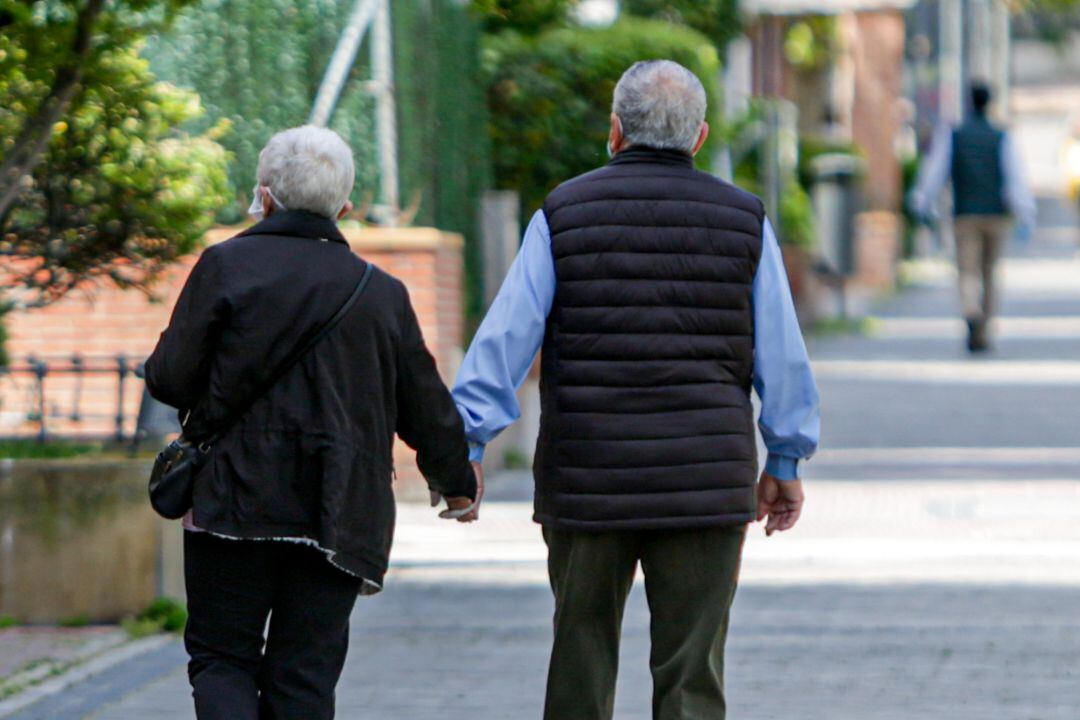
178	371
428	420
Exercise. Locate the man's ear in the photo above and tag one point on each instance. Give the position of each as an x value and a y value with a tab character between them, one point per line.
616	137
702	137
345	210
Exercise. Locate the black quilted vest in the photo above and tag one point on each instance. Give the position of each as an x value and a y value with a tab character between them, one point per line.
977	175
646	420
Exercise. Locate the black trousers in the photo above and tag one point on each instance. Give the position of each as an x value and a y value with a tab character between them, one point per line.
233	586
690	580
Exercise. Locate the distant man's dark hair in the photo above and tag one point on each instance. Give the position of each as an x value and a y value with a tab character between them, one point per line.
980	97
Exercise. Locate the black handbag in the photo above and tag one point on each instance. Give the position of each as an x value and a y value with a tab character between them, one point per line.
172	481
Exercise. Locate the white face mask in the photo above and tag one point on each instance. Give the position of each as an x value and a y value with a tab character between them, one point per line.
256	209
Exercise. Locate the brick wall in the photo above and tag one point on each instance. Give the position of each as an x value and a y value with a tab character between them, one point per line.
101	323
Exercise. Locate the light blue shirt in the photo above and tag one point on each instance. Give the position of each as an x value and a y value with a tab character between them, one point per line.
513	331
936	169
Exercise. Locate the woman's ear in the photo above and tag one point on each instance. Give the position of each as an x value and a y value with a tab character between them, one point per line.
267	202
345	210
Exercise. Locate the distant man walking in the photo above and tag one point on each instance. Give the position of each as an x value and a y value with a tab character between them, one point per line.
659	297
988	186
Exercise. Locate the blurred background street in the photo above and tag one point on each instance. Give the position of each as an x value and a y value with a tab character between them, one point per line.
936	571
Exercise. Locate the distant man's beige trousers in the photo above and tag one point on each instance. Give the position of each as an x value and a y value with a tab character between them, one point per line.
979	241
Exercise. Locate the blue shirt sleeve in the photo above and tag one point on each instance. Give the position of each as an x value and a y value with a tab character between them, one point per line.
790	419
507	341
933	173
1017	192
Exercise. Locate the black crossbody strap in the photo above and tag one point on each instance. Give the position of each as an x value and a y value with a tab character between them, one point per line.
297	354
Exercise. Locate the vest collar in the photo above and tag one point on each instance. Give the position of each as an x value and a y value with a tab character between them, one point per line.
642	154
298	223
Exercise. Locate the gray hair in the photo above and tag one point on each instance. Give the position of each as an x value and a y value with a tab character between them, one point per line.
661	105
308	168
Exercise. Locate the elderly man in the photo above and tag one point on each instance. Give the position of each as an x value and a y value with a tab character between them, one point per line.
659	297
295	362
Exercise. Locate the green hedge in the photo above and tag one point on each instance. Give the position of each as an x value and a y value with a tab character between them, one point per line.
549	97
444	153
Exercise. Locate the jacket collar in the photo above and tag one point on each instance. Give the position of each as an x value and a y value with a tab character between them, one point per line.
297	223
642	154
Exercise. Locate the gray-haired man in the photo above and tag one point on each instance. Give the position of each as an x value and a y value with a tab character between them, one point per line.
659	298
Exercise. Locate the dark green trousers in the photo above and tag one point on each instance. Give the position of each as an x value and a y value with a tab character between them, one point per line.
690	579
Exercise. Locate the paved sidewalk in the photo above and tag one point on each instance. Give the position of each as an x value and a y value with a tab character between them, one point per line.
936	573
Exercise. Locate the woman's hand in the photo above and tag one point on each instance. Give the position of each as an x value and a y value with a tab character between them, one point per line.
463	509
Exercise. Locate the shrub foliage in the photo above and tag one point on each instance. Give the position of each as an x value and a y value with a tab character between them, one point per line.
549	96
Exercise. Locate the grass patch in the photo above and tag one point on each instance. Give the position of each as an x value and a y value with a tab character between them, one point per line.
7	621
49	450
75	621
163	615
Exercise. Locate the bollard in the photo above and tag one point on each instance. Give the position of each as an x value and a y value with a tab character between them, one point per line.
835	196
122	369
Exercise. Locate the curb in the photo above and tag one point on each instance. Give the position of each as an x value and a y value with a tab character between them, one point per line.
83	671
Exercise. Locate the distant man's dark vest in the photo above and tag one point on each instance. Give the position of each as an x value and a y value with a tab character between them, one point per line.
977	176
647	363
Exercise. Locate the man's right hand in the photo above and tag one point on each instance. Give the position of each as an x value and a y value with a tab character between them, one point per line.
780	500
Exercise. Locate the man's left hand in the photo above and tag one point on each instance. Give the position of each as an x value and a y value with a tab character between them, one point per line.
780	500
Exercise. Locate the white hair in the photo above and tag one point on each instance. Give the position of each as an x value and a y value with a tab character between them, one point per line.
661	105
308	168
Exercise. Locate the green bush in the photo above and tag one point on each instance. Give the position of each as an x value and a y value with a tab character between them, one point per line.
549	97
7	621
526	16
170	613
718	20
163	615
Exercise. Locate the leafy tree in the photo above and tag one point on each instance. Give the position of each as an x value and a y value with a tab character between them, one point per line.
718	20
550	97
61	40
116	192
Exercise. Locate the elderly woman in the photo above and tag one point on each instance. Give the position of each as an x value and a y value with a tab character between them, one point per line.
293	513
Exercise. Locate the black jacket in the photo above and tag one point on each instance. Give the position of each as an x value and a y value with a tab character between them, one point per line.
646	419
312	458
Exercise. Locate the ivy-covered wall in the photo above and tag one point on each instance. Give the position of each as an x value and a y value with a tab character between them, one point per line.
258	64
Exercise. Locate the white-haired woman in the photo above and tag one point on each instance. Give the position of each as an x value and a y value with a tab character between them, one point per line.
293	513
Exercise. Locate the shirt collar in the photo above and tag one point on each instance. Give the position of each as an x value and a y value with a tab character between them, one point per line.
298	223
642	154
